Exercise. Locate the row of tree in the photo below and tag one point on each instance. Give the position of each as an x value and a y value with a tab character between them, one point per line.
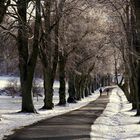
127	39
88	40
58	33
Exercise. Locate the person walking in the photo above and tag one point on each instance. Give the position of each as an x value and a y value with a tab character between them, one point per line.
100	90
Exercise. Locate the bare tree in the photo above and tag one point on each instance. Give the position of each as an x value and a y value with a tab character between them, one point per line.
27	61
3	7
48	50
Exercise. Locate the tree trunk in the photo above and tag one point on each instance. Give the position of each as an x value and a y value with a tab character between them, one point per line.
94	84
48	89
62	89
86	92
3	8
77	87
82	91
27	97
83	84
125	87
138	88
27	62
71	88
133	93
136	4
49	59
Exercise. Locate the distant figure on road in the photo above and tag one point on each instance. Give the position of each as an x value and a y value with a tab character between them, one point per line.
107	91
100	90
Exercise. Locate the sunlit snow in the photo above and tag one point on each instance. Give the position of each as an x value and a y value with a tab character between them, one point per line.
11	120
117	121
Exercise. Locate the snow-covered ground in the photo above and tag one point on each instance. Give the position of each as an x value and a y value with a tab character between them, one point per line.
6	80
9	107
117	121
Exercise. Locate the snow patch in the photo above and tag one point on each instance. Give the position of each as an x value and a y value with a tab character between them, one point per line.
117	121
10	120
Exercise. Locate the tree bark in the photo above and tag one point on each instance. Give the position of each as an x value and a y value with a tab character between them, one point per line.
48	89
77	87
49	57
3	7
62	76
27	62
71	88
136	4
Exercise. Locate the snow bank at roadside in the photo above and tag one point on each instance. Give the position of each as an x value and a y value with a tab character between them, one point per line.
117	121
12	120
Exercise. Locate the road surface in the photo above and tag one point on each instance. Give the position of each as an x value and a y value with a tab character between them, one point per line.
75	125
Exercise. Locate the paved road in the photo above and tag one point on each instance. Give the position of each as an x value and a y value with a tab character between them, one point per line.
75	125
